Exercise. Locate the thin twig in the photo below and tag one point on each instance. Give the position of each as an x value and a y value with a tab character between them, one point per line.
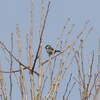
52	73
18	70
70	90
78	65
90	75
81	54
95	78
44	83
41	35
11	66
67	86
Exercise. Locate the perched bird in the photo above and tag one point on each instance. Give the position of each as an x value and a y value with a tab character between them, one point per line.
50	50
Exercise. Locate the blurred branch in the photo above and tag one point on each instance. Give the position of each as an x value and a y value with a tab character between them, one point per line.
70	90
90	77
11	63
93	85
81	58
44	84
22	76
40	78
67	86
2	86
79	67
30	59
53	69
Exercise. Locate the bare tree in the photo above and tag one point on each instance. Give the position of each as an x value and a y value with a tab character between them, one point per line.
45	79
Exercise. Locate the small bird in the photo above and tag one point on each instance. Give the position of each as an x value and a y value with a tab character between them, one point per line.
50	50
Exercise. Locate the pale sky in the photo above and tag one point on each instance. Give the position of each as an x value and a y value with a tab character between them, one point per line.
14	12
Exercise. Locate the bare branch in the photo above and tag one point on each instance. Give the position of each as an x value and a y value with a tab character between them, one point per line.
41	35
70	90
11	67
17	60
67	86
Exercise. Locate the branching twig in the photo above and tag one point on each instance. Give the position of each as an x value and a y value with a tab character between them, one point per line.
67	86
95	78
70	90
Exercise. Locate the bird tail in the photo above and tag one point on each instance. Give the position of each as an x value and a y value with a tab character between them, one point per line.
57	51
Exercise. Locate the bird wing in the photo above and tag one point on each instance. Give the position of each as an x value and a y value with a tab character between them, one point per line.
51	48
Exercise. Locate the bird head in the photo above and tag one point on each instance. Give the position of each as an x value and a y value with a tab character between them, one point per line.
48	46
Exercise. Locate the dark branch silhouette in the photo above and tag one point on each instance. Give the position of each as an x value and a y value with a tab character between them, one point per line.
40	41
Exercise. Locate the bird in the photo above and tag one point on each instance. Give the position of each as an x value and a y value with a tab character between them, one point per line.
50	50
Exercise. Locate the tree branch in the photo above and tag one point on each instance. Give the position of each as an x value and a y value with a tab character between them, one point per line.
17	60
40	41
